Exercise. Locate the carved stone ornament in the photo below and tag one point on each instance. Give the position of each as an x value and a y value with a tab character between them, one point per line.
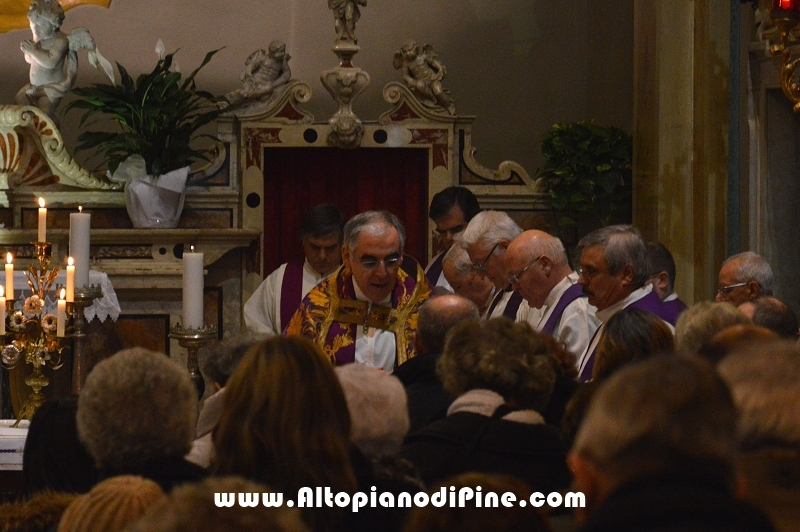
423	73
32	152
283	106
345	15
345	83
264	79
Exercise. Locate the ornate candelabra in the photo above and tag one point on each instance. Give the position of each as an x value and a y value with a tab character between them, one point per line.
192	340
37	338
786	15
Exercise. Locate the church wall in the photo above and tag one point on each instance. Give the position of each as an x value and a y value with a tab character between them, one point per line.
518	65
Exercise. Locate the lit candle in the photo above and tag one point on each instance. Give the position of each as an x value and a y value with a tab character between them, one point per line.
192	290
42	221
9	276
61	315
79	225
70	280
2	311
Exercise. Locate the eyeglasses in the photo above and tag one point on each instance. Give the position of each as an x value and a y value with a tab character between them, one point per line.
514	279
725	290
482	266
588	273
370	263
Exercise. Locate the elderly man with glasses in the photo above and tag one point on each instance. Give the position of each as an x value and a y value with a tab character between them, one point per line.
486	238
538	269
366	312
744	277
613	271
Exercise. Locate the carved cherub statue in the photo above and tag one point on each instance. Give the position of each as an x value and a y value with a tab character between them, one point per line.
423	74
345	15
264	73
53	57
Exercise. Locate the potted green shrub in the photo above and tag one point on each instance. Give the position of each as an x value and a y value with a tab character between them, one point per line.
588	174
158	118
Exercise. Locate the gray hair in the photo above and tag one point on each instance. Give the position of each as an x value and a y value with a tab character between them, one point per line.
753	267
136	406
763	381
622	245
460	259
698	324
488	228
664	412
375	220
440	314
378	409
218	359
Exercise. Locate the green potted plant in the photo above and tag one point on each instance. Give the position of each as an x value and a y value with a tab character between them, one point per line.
588	173
158	118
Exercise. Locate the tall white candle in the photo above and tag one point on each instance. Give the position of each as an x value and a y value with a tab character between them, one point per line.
2	311
70	280
79	226
61	314
9	276
42	221
192	290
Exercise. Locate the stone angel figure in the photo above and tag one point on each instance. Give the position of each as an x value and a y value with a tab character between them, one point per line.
423	74
53	57
345	15
264	74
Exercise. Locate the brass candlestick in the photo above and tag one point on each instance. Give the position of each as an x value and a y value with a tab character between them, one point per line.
33	333
192	340
83	297
786	20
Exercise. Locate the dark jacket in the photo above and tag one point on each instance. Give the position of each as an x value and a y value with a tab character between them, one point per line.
427	399
448	447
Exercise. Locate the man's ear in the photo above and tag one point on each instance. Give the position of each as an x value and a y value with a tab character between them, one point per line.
753	289
346	256
661	281
547	265
626	274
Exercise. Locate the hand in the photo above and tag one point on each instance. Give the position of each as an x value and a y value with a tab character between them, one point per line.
27	46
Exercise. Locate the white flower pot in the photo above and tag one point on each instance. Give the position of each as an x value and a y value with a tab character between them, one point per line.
156	203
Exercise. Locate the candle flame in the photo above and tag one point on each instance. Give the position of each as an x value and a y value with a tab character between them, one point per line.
80	208
70	261
2	291
191	248
41	202
9	258
62	294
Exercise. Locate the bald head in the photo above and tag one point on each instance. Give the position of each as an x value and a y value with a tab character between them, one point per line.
437	316
536	262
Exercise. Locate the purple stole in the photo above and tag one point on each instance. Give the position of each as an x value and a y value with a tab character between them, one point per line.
434	270
512	306
649	303
291	291
673	310
570	294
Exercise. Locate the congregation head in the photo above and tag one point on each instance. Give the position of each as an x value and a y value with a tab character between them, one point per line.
377	404
772	314
451	210
536	262
613	264
743	277
702	321
218	359
373	250
662	269
486	238
508	358
137	407
438	316
321	231
463	279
